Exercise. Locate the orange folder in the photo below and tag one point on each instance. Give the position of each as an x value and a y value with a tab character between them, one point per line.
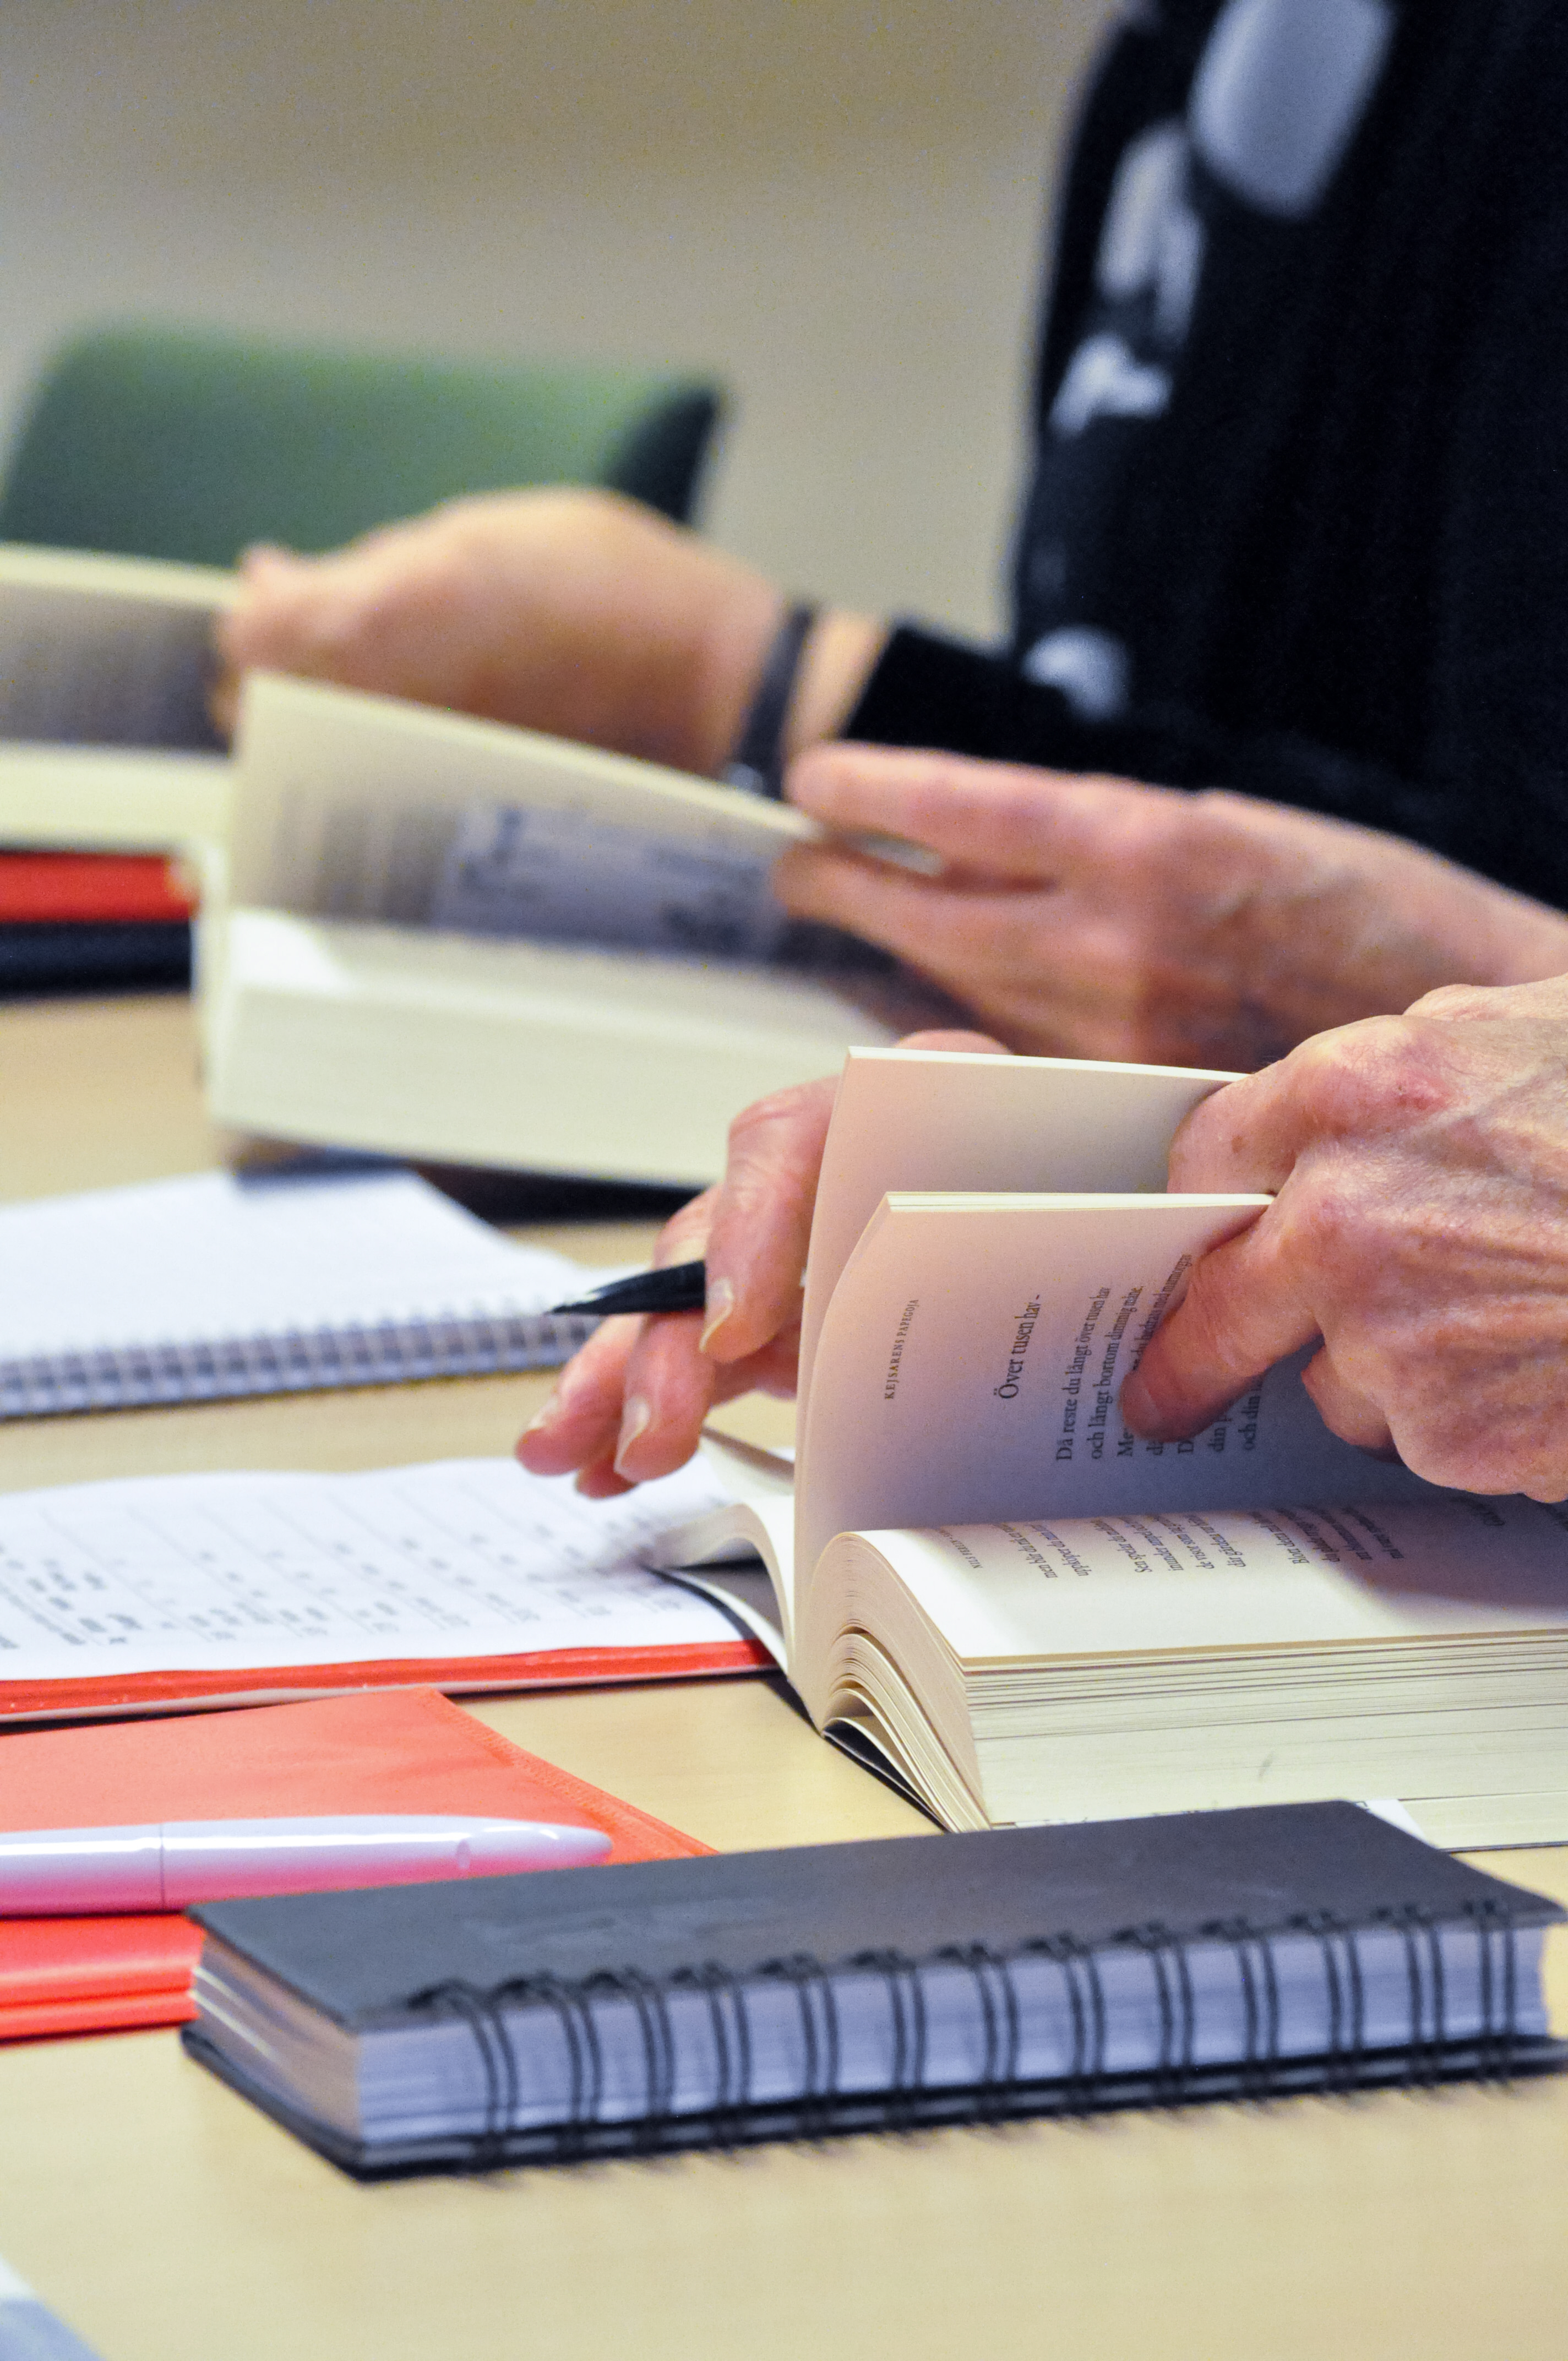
541	1668
388	1750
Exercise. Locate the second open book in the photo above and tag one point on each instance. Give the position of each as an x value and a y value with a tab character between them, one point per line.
447	937
979	1577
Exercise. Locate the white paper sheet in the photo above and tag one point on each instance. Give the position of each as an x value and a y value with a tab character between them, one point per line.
459	1559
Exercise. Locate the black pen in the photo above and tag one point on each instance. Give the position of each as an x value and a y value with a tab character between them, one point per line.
677	1287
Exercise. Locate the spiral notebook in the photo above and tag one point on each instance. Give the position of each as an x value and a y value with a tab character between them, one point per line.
222	1284
849	1987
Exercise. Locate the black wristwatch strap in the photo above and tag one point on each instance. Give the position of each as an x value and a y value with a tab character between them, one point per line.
757	765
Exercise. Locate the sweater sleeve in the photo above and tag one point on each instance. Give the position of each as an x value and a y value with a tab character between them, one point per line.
1500	720
931	691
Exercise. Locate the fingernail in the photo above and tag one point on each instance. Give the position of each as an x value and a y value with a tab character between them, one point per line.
721	1304
637	1417
545	1414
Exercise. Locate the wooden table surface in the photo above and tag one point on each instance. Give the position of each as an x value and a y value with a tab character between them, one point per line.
167	2221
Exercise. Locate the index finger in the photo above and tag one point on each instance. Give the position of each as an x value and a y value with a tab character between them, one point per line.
759	1218
995	819
1244	1310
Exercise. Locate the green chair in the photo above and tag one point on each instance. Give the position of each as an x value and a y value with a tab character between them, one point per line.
164	443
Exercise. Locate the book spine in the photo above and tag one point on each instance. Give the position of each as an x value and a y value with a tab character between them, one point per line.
141	1376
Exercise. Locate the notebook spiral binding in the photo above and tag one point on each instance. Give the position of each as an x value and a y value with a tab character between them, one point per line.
137	1377
1496	2049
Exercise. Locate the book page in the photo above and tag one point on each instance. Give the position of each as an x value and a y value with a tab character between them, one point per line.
1041	1589
106	650
941	1119
111	799
562	877
971	1359
458	1560
218	1255
543	1057
717	1553
356	806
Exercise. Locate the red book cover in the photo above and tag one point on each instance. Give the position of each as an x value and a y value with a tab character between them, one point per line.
71	888
387	1750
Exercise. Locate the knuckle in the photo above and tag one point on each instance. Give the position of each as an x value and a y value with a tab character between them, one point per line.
798	1107
687	1228
1443	1449
1455	1000
1332	1226
1376	1076
1004	934
933	788
1138	830
1021	806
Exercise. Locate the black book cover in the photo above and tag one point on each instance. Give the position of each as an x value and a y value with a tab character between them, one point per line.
94	955
360	1957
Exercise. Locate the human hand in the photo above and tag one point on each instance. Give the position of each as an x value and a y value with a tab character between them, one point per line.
631	1403
576	612
1094	917
1420	1228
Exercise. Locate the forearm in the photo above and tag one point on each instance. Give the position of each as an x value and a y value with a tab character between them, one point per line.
684	693
838	660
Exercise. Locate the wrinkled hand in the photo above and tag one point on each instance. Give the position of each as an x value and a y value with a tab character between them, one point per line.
1419	1229
632	1402
574	611
1093	917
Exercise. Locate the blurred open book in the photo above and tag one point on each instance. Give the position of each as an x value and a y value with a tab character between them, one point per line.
447	937
105	742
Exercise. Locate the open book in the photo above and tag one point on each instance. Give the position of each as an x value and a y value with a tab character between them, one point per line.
105	737
979	1578
454	938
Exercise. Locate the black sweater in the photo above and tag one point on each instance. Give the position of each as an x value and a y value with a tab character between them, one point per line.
1338	558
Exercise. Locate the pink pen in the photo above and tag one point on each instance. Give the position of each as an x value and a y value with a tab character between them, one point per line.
56	1872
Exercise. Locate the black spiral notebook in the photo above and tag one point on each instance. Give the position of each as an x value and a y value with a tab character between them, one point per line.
578	2012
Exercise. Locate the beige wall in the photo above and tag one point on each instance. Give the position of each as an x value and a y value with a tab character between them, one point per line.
833	203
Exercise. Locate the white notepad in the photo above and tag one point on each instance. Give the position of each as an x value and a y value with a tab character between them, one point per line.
188	1290
156	1591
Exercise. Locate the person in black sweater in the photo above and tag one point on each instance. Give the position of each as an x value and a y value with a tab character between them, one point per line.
1280	737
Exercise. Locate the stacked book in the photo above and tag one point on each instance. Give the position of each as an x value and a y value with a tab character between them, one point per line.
108	765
